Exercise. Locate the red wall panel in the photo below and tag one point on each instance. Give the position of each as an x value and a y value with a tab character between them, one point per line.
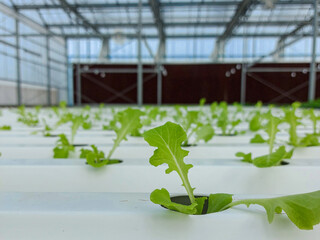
187	83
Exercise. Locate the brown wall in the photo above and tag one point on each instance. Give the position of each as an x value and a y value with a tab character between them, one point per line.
187	83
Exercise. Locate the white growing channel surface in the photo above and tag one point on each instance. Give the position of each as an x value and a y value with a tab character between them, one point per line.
60	187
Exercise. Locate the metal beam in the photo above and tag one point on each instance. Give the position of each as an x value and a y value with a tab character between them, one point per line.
146	5
155	36
241	11
140	66
27	21
243	84
18	67
105	50
155	8
48	71
70	8
313	72
217	23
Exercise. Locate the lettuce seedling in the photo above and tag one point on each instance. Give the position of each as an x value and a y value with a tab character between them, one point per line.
314	119
5	128
77	121
96	158
98	114
153	114
28	118
293	121
168	139
302	209
192	125
227	123
63	147
255	123
46	132
273	158
129	120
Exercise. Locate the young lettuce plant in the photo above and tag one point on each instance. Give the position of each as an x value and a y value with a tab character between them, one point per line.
96	158
302	209
153	114
294	121
28	118
46	132
255	122
63	147
192	125
226	122
314	119
272	158
129	120
5	128
77	121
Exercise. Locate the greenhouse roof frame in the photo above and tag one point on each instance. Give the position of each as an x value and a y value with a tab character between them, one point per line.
204	19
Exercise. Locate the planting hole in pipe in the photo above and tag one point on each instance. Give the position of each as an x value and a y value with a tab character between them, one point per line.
283	163
80	145
189	145
185	200
111	161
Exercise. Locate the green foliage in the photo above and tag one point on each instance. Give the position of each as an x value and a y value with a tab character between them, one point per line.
63	147
96	158
227	122
268	160
5	128
153	114
162	197
205	133
217	202
293	121
77	121
302	209
46	132
28	118
191	123
202	102
257	139
168	139
314	119
129	120
312	104
255	123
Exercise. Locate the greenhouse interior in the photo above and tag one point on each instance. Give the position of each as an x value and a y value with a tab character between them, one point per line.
159	119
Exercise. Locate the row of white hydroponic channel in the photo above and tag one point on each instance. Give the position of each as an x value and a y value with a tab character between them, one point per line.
64	198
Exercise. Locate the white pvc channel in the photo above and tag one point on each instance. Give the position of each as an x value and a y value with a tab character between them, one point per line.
116	216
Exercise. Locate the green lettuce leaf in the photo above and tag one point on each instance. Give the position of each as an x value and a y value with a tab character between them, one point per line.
272	159
204	133
246	157
168	139
129	120
217	202
63	147
302	209
257	139
162	197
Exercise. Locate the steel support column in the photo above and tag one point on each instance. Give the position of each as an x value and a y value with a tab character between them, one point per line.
159	84
140	66
243	84
78	72
313	72
48	71
18	68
